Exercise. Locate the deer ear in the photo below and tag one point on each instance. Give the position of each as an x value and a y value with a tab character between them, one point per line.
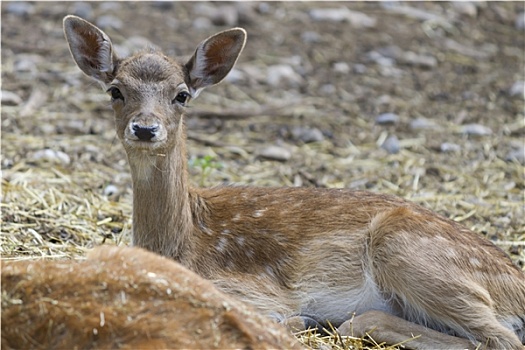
91	48
214	58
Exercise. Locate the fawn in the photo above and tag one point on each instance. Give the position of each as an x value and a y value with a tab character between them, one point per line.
125	298
302	256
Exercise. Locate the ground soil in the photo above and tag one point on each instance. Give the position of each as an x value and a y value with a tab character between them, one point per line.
298	76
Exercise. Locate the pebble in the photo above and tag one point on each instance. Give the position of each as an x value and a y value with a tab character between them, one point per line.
310	37
220	15
10	98
465	8
422	123
280	74
327	89
110	190
516	155
407	57
518	89
359	68
415	59
447	147
82	9
52	156
475	129
387	119
19	8
27	63
109	21
275	153
355	18
307	135
202	23
341	67
391	144
381	60
110	6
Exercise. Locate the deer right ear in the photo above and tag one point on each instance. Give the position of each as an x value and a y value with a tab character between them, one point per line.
91	48
214	58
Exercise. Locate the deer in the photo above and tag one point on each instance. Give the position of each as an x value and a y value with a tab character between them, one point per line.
125	298
305	257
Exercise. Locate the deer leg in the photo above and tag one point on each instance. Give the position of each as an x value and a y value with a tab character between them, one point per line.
302	323
427	283
390	329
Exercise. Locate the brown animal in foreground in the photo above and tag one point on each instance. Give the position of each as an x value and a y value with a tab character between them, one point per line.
125	298
297	254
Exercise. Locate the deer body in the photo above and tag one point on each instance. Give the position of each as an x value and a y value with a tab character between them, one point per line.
125	298
324	254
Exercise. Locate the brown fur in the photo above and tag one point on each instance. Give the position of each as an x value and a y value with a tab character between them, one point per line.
325	253
125	298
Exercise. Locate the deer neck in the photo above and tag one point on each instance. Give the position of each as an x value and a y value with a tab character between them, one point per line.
162	219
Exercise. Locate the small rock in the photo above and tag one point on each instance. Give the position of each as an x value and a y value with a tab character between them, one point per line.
378	58
220	15
280	74
27	63
52	156
465	8
391	144
447	147
518	89
520	21
476	129
10	98
202	23
516	155
341	67
359	68
307	135
82	9
343	14
310	37
109	6
422	123
235	76
19	8
327	89
387	119
110	190
109	21
415	59
275	153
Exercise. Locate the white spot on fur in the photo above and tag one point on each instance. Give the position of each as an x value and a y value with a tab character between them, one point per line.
258	213
475	262
236	217
269	271
221	245
451	252
225	232
240	240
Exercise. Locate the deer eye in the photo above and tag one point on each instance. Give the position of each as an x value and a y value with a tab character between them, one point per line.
115	94
181	98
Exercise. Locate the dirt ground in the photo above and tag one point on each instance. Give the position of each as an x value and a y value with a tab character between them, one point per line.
421	100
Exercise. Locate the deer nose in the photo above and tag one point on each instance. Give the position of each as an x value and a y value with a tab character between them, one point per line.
145	133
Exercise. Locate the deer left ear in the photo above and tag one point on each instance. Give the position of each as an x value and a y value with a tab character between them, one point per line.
214	58
91	48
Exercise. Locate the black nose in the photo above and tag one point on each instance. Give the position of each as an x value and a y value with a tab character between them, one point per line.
145	133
